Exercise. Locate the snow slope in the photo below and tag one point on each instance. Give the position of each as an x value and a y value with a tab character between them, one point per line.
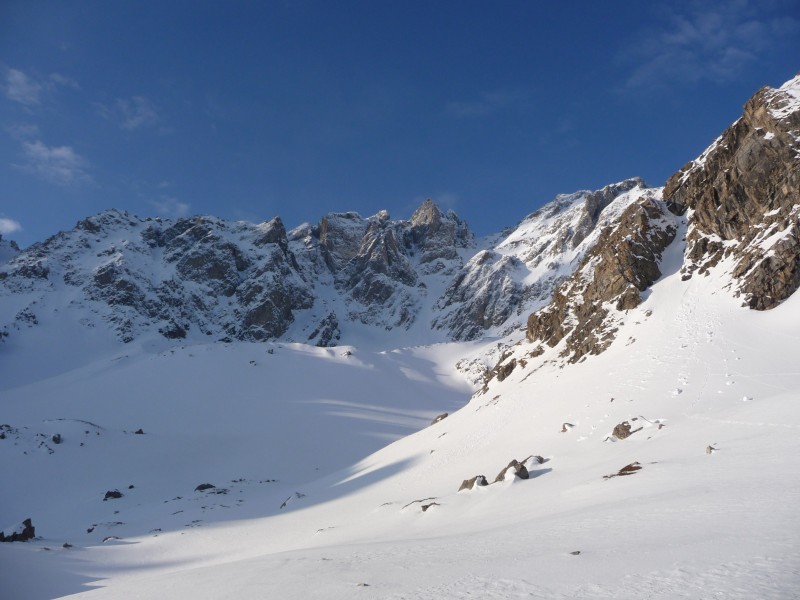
689	365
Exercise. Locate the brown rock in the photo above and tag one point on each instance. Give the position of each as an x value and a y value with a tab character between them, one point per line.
439	418
477	481
743	190
622	264
22	533
519	470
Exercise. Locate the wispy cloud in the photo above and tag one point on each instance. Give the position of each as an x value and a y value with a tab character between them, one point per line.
63	80
487	103
701	43
130	113
57	164
8	226
21	88
29	90
169	206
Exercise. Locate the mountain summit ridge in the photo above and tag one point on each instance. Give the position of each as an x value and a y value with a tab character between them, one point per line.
350	276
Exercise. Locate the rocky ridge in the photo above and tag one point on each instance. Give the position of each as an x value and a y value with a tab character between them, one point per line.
207	277
611	277
564	275
743	199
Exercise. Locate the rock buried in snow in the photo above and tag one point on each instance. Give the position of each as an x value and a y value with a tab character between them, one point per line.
425	507
112	494
519	471
139	431
626	470
204	486
566	427
477	481
439	418
57	438
20	533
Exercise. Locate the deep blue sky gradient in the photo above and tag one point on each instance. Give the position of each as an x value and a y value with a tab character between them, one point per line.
247	110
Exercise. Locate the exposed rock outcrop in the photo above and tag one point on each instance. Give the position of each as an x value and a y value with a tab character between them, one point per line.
514	467
477	481
21	533
485	293
440	417
519	273
623	430
623	263
437	237
743	198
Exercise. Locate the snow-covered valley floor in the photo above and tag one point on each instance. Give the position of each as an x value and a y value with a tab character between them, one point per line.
317	505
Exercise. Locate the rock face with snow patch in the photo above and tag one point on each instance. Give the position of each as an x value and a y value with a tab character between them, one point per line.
611	276
743	194
20	533
521	271
233	280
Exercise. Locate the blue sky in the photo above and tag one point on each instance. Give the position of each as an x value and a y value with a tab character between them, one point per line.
247	110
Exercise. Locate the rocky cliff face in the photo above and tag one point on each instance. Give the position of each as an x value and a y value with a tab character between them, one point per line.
574	266
623	263
221	280
520	272
205	276
743	199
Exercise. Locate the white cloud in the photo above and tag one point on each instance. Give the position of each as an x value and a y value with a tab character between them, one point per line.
487	103
703	43
65	81
21	88
8	226
30	90
168	206
57	164
131	113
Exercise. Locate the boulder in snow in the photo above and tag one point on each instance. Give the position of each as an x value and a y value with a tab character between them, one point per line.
20	533
477	481
440	418
519	470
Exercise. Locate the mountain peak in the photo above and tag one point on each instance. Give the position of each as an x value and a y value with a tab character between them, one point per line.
428	213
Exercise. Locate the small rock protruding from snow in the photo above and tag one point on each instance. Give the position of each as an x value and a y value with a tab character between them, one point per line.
112	495
514	468
626	470
566	427
477	481
440	417
204	486
532	460
623	430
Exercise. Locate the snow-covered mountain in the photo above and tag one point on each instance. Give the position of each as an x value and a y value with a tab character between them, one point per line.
328	284
231	410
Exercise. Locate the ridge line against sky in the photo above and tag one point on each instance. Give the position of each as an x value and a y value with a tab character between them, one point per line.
249	110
